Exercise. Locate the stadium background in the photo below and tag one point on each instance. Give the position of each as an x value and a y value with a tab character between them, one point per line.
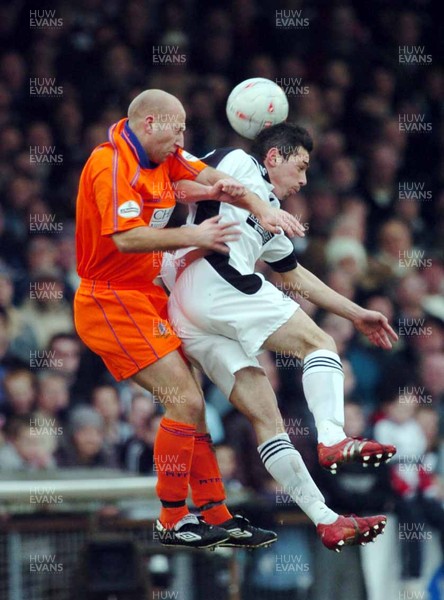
366	79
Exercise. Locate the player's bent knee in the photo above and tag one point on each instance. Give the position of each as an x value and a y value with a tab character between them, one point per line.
189	408
187	401
172	385
329	343
186	404
319	340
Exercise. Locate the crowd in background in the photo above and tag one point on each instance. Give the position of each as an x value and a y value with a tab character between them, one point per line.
374	208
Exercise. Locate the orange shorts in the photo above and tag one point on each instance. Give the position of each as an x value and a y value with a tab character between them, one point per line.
128	328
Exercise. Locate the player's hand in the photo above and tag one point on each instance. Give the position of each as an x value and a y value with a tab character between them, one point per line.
227	190
213	235
376	327
276	219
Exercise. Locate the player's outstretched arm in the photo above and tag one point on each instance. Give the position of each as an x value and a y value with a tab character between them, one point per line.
371	323
209	235
228	189
188	191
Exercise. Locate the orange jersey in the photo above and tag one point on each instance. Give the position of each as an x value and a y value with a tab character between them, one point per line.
119	189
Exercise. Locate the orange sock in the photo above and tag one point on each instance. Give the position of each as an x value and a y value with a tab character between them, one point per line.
173	453
206	482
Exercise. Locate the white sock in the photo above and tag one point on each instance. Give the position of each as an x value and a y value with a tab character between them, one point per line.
285	465
323	383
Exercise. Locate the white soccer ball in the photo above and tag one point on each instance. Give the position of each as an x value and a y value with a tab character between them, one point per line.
255	104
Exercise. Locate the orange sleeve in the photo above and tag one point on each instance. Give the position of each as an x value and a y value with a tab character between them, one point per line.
120	206
183	165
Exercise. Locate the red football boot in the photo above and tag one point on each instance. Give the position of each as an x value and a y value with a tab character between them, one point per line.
350	531
376	524
367	452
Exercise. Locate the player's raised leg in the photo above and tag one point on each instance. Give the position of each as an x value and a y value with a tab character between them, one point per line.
253	395
323	383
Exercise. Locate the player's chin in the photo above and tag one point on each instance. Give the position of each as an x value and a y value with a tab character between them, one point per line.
292	191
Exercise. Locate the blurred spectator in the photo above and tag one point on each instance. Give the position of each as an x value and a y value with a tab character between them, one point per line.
23	450
11	247
432	374
47	308
65	349
394	243
380	185
226	458
142	408
427	418
51	407
84	444
20	391
343	175
135	456
370	364
434	277
349	225
418	500
410	295
349	255
105	399
138	451
324	209
4	345
427	336
20	332
52	393
331	145
41	255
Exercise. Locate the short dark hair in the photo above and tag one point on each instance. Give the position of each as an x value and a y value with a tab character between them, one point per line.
288	138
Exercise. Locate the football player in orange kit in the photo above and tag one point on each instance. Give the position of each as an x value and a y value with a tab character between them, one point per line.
125	199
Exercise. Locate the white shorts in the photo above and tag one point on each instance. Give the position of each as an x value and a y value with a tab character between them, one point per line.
222	328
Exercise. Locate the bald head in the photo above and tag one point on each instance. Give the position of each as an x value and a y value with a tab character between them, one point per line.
152	102
158	121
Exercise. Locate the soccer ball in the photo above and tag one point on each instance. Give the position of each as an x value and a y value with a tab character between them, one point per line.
255	104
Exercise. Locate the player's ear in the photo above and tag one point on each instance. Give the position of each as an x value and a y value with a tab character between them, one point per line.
149	124
272	157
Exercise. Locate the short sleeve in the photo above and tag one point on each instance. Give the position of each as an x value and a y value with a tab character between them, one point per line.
120	206
183	165
280	254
